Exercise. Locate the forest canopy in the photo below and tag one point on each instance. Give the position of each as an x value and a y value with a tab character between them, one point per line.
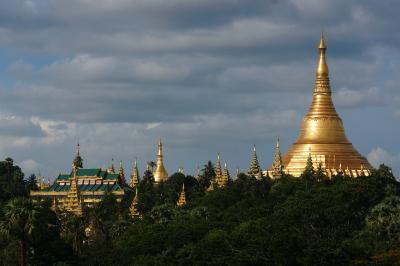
312	220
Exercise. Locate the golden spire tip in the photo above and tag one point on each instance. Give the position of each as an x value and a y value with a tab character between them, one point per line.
322	44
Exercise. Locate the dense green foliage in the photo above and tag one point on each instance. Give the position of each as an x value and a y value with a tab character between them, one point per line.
310	220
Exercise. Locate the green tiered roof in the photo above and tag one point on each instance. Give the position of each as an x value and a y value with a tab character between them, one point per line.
89	172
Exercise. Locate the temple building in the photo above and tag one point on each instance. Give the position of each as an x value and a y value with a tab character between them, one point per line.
322	134
82	187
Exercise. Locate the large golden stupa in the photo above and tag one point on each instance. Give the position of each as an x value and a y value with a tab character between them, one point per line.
322	134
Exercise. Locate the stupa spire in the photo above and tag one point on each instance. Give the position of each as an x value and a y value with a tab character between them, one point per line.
182	197
322	128
78	162
121	173
135	175
134	208
322	67
160	174
255	169
73	202
223	181
277	167
218	171
112	168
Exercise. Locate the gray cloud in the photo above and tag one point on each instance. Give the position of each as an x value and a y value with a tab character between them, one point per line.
11	125
207	75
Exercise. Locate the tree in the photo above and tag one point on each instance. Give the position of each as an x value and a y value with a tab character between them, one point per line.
31	183
308	174
21	216
152	165
320	173
208	175
12	183
73	230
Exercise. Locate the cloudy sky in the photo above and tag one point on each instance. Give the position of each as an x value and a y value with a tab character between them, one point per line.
207	76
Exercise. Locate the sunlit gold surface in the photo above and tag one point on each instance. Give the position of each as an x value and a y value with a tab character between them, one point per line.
160	174
182	197
322	133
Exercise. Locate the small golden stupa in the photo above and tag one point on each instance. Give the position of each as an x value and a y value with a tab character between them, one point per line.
135	175
73	202
160	174
322	133
134	208
182	197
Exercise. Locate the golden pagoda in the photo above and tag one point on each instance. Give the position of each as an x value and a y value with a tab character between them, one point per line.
133	209
277	166
224	179
322	133
255	169
160	174
182	197
135	175
218	171
73	201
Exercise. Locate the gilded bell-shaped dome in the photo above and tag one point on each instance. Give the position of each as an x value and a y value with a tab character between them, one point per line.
322	133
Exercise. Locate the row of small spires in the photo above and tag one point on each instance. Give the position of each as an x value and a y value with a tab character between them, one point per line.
255	170
221	174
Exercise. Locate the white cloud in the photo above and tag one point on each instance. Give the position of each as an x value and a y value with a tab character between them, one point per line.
355	98
379	155
30	166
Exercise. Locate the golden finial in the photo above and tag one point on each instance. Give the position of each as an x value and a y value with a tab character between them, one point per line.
159	148
322	44
322	68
